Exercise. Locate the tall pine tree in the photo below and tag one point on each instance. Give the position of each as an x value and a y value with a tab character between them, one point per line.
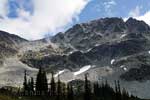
41	83
53	86
59	89
87	88
25	84
32	85
70	93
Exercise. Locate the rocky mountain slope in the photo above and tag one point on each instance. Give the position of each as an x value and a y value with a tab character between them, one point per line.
9	44
98	43
107	48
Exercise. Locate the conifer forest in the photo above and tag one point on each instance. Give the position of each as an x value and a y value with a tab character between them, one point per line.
41	89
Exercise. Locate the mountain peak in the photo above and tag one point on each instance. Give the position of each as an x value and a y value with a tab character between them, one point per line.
131	19
136	26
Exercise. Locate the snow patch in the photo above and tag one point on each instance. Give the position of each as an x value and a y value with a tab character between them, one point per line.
122	36
82	70
112	61
125	68
89	50
149	52
122	66
70	52
59	73
97	45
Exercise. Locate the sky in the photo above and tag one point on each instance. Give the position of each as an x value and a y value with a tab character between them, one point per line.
35	19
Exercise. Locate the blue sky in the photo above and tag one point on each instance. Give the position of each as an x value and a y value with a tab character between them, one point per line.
13	5
33	19
121	8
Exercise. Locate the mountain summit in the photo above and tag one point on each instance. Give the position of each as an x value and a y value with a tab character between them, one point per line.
107	48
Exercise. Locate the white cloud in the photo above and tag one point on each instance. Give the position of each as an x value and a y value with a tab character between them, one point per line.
110	3
145	17
108	6
3	6
136	13
48	16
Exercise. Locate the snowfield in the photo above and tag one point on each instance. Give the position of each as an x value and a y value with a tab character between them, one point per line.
82	70
112	61
125	69
59	73
149	52
122	66
122	36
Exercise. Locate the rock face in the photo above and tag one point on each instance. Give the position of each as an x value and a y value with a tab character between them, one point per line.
87	35
135	26
107	48
9	44
95	43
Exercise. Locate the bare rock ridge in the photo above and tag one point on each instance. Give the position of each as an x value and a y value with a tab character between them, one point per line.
9	44
96	42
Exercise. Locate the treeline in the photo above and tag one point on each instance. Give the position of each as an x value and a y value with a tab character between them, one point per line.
57	90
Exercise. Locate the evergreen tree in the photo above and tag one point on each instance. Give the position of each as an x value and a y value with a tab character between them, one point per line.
29	87
63	90
32	85
53	86
116	87
41	83
87	87
125	95
25	84
117	90
44	82
59	88
96	89
38	82
70	93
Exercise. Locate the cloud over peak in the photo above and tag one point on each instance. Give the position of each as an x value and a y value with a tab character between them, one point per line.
41	17
136	13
